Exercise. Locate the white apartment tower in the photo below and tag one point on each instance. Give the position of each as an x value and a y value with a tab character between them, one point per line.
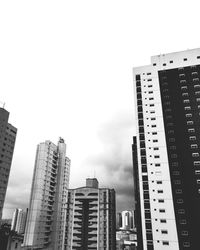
19	220
166	151
46	216
90	220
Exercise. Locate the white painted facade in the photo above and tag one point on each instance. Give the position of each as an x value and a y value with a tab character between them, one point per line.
160	194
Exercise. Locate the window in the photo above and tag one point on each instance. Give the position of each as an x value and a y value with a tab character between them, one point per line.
186	101
150	92
166	243
178	182
192	138
181	211
157	165
187	108
154	64
155	140
164	64
153	118
171	61
197	172
154	133
155	148
180	201
185	94
184	233
183	222
151	105
151	98
183	87
179	191
153	126
184	59
186	244
149	80
162	210
163	221
196	163
164	231
194	146
159	182
160	191
190	122
156	156
198	181
191	130
161	201
195	154
198	99
148	73
149	86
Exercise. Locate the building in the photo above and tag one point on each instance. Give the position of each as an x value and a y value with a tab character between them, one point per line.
127	220
46	216
7	143
19	220
167	151
90	220
118	220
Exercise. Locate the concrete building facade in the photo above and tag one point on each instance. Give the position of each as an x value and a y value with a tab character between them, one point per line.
19	220
7	143
167	151
90	219
46	216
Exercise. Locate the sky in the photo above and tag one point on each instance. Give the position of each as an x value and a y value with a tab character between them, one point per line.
66	70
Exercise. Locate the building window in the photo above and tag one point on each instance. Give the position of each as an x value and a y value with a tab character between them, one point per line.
190	122
161	201
164	231
162	210
196	163
195	154
163	221
166	243
160	191
182	222
186	244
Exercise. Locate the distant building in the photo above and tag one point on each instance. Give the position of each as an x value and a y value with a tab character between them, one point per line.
7	143
19	220
167	151
127	220
90	219
119	220
46	216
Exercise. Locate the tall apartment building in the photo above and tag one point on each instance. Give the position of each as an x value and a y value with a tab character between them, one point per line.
7	143
19	220
167	151
46	216
90	219
127	220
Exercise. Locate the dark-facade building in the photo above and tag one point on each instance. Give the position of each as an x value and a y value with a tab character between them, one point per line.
7	144
90	218
167	151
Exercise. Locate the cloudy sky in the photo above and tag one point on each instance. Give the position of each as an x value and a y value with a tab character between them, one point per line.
66	70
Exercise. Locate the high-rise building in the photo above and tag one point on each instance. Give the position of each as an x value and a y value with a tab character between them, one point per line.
19	220
127	220
167	151
90	219
46	216
7	143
